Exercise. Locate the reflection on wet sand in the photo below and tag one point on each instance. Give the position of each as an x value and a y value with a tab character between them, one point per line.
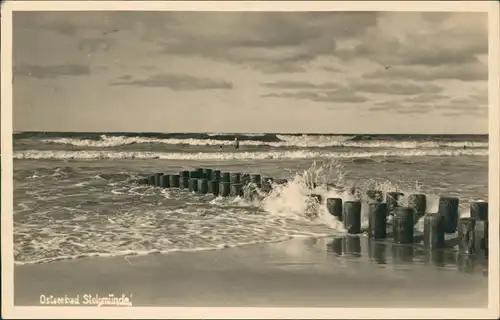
347	246
386	252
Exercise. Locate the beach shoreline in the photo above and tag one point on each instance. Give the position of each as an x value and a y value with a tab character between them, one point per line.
301	272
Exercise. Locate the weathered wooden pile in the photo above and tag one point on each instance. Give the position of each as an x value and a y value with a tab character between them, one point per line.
216	182
472	236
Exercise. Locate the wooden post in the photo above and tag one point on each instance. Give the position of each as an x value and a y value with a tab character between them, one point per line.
255	178
448	208
418	202
213	187
193	185
468	243
157	179
225	189
479	210
207	173
334	206
377	220
216	175
193	174
184	183
165	181
226	177
403	225
174	181
434	231
235	178
203	186
151	180
352	216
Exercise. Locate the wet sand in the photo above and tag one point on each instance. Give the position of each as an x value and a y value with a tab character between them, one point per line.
349	272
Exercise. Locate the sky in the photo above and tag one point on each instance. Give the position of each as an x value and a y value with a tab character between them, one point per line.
305	72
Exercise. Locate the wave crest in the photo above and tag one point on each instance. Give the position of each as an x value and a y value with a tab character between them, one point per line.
298	154
277	141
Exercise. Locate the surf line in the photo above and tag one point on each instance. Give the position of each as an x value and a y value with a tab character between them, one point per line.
390	215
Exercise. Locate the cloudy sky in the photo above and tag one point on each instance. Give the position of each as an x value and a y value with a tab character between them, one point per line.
335	72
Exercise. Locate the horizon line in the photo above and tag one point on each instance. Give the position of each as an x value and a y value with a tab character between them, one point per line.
283	133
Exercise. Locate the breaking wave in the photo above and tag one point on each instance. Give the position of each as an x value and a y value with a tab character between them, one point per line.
208	223
297	154
277	141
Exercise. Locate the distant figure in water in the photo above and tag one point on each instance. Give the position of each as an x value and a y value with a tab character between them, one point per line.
236	144
464	146
220	147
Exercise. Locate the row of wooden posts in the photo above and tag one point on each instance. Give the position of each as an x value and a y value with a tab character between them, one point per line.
472	231
216	182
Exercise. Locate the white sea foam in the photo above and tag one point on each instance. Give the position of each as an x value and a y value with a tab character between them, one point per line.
303	141
242	134
126	253
132	226
298	154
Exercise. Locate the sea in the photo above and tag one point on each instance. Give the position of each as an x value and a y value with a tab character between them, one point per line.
75	194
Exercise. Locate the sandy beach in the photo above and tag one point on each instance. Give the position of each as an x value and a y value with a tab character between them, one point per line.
295	273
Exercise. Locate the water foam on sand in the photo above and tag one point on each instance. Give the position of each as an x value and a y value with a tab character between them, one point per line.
127	219
298	154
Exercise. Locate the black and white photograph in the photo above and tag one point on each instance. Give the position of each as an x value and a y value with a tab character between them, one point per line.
250	155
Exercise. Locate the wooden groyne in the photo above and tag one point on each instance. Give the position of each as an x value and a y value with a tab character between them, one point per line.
442	229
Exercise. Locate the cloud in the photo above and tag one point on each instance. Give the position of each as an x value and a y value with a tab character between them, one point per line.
385	106
44	72
91	45
436	17
177	82
331	69
440	40
414	109
271	67
401	108
426	97
63	27
340	96
466	72
78	23
464	105
451	114
126	77
418	104
288	42
268	41
477	112
288	84
47	20
317	92
479	98
395	88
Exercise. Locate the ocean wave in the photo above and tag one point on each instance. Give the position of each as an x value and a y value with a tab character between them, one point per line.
299	154
277	141
239	134
208	223
247	136
146	135
127	253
